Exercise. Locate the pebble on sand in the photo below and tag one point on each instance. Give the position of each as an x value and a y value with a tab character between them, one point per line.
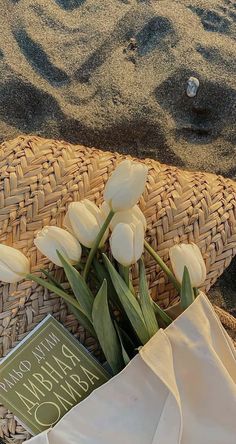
192	86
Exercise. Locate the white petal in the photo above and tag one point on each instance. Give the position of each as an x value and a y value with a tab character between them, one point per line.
122	169
72	248
138	181
124	190
125	217
48	247
197	266
7	275
126	195
120	174
121	242
105	210
131	216
51	239
140	216
84	224
198	254
15	259
120	199
190	260
93	209
177	262
185	255
14	265
67	224
138	241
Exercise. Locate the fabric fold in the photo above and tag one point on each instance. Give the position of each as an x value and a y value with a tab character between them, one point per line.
180	389
42	438
157	354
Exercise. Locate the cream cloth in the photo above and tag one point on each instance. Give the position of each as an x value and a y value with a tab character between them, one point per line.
180	389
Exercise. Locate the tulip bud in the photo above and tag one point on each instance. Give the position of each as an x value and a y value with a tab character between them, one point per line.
132	216
190	256
125	185
52	239
84	219
14	265
127	243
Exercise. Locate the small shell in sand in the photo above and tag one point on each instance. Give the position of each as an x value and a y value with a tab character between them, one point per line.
192	86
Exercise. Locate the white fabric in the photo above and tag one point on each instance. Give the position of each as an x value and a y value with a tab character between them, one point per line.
180	389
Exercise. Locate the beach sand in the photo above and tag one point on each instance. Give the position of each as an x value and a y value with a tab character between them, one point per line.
113	74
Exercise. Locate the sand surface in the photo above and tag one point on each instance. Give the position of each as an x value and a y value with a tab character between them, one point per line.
113	74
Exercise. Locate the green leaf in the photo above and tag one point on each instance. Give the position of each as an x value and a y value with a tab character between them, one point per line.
51	278
81	316
128	342
124	352
102	274
162	314
83	320
80	289
95	246
186	292
146	302
129	302
105	330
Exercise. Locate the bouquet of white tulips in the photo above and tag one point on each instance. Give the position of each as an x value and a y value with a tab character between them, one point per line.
101	295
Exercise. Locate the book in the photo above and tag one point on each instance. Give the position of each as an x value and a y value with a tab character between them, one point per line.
46	374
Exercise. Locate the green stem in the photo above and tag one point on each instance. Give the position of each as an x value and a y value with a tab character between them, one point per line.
196	292
125	275
132	287
54	288
163	266
96	244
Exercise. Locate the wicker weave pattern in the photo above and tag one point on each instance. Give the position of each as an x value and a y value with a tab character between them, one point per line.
39	178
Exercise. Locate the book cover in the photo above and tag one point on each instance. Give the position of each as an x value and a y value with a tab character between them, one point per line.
46	375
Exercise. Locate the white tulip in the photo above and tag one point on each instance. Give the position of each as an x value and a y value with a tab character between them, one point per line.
84	219
190	256
105	209
132	216
52	239
125	185
14	265
127	243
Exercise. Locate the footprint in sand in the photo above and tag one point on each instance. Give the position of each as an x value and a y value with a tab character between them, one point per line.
36	56
220	20
69	5
109	74
158	32
200	119
25	106
214	56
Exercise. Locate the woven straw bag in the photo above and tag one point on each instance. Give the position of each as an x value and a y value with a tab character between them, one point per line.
39	178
